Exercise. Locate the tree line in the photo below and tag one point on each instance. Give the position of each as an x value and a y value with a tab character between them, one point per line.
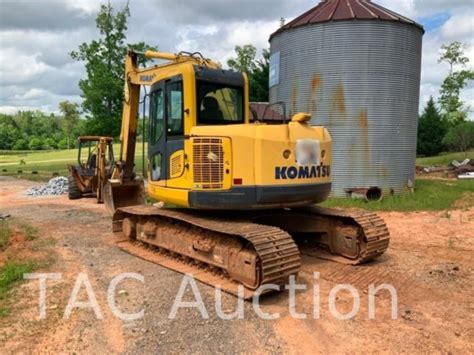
35	130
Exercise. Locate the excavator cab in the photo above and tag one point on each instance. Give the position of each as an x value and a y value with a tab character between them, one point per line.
219	98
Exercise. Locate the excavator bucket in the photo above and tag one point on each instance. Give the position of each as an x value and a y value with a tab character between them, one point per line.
117	194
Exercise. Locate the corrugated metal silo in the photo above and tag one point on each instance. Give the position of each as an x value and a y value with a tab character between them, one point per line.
356	67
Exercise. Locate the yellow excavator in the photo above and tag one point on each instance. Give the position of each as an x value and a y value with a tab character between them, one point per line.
236	198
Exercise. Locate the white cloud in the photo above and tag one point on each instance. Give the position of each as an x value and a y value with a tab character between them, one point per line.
425	8
87	6
32	94
256	32
403	7
459	26
10	110
219	43
36	70
19	67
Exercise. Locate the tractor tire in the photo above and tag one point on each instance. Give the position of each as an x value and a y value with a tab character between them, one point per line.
73	190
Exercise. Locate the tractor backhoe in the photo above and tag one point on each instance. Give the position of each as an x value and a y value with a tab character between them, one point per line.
237	198
95	161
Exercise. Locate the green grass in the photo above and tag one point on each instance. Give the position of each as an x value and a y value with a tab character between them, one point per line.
4	311
5	233
45	163
444	158
430	195
29	232
12	272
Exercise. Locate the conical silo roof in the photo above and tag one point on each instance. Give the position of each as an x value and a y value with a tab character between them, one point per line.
343	10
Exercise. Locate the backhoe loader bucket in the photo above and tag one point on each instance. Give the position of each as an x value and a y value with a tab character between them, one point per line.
117	194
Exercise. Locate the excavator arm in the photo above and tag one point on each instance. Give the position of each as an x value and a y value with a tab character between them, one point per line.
124	188
124	169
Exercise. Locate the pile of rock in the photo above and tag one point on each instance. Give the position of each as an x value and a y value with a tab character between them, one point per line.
56	186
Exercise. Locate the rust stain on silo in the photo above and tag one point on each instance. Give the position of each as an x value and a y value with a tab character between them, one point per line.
363	120
315	84
338	104
294	100
363	123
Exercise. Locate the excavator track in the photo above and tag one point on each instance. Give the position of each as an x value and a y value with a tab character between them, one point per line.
269	241
373	237
277	254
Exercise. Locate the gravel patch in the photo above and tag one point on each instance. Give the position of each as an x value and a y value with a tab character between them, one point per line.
55	187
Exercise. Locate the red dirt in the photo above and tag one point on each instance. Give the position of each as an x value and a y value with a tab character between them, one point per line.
429	262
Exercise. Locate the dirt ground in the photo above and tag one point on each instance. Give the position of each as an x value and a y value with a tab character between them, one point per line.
430	263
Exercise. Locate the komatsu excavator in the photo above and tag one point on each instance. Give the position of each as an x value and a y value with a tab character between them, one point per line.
237	198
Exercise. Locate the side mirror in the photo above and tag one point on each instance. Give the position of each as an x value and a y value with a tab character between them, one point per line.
301	117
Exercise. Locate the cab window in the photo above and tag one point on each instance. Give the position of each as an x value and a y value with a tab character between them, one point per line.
157	122
156	167
219	104
174	108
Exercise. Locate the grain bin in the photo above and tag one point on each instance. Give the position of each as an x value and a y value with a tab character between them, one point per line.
356	67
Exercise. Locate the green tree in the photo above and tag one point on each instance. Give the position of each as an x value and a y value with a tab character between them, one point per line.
8	136
431	130
258	79
257	71
452	106
102	89
70	118
460	137
245	60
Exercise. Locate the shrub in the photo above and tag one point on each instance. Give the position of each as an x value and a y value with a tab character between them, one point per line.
35	143
49	143
62	144
20	144
460	137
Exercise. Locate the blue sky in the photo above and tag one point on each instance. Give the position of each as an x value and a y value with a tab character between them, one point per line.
434	22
